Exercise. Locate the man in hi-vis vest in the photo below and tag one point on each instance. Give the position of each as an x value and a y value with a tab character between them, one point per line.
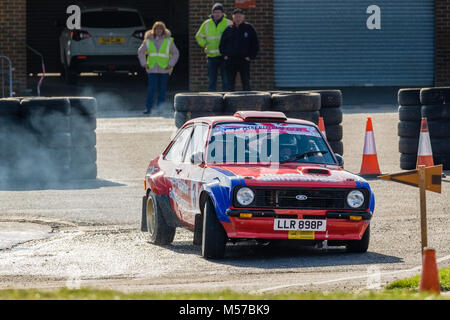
158	55
208	37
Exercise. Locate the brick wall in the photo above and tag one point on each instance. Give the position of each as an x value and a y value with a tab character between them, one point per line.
442	42
261	17
13	38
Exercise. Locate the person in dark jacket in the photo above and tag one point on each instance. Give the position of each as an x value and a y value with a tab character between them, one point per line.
238	45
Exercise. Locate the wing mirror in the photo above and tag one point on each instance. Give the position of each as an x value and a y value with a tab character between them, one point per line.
340	160
197	157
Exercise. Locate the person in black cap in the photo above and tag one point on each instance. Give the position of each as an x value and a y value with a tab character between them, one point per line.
239	45
208	37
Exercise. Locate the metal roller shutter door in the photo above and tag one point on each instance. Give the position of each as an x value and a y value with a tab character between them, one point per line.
327	43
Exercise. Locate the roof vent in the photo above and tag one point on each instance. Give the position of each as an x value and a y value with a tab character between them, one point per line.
317	171
261	116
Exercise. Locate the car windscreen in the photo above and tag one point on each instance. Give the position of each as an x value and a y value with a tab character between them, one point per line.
267	143
110	19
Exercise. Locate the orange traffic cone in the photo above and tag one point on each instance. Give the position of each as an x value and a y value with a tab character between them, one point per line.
322	126
369	164
429	280
425	154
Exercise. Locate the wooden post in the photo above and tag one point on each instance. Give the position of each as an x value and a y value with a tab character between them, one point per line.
423	206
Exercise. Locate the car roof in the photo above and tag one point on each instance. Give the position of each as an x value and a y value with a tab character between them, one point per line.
254	116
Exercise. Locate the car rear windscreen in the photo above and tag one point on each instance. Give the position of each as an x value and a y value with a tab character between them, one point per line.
110	19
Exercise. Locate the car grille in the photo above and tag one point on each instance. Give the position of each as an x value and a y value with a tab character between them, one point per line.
317	198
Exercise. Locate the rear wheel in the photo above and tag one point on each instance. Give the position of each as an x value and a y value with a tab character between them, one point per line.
160	232
214	237
360	246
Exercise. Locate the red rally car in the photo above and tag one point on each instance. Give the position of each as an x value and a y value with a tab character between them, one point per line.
255	175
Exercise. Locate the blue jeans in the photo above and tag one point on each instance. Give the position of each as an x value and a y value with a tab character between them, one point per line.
156	81
214	65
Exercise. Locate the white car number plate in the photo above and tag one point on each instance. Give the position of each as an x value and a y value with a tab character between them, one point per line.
300	224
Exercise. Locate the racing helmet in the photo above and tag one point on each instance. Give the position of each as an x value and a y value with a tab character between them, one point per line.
288	146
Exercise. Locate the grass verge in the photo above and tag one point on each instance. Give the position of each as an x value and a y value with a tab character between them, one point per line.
413	282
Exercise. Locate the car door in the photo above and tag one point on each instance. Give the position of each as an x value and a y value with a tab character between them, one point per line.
171	164
192	170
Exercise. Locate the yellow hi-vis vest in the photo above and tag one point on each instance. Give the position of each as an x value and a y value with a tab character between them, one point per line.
160	57
208	36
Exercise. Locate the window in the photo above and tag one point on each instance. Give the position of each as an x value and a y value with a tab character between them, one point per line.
110	19
175	152
197	142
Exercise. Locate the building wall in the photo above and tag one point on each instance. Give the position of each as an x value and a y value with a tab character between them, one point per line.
442	42
261	17
13	38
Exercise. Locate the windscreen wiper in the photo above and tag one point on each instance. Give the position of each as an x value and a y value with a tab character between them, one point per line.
302	155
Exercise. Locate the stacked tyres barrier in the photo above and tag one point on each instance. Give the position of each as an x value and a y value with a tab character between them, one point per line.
246	100
331	112
436	108
298	105
409	126
83	122
45	151
47	139
194	105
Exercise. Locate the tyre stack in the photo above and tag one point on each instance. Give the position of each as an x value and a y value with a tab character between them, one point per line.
331	112
436	108
83	123
45	140
409	126
246	101
9	135
297	105
194	105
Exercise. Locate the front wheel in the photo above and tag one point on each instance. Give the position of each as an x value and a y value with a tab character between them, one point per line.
160	232
360	246
214	237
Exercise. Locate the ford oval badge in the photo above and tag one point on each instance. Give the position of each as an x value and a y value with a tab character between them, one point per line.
301	197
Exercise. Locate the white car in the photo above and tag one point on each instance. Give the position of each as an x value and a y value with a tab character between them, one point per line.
108	40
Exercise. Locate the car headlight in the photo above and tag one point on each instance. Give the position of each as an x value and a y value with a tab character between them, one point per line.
355	199
245	196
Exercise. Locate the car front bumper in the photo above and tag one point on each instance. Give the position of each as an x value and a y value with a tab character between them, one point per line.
261	224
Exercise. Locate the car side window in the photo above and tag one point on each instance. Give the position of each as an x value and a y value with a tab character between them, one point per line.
175	152
197	142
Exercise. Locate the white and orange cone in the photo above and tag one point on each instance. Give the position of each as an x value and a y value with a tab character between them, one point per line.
425	154
322	127
369	166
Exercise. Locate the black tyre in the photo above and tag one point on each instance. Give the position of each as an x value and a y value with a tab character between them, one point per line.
439	129
435	96
312	116
408	145
241	101
180	118
83	171
435	112
56	140
440	145
330	98
83	138
83	105
296	102
408	161
214	237
83	123
9	107
334	132
159	231
409	97
46	115
360	246
443	159
409	113
331	116
410	129
84	155
201	101
337	147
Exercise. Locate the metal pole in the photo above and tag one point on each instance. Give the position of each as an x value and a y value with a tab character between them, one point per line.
10	74
423	206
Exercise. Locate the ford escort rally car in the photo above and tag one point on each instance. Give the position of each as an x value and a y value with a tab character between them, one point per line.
254	175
